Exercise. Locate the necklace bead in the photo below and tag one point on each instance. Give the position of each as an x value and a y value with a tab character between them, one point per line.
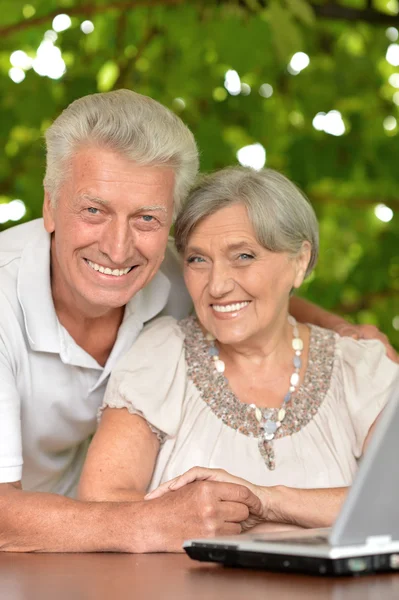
266	424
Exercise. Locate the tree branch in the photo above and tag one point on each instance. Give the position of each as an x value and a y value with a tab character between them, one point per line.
128	65
330	10
345	13
87	10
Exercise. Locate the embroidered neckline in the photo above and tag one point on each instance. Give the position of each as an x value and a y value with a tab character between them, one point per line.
238	415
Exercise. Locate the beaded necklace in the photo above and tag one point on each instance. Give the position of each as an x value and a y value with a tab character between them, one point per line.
267	425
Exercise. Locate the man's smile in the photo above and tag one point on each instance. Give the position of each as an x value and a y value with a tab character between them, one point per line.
107	270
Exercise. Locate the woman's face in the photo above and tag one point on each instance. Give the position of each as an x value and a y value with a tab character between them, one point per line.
239	288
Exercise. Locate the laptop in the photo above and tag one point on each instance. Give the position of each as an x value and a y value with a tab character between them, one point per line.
364	537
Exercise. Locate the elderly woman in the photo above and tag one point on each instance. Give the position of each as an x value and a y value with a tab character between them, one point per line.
241	387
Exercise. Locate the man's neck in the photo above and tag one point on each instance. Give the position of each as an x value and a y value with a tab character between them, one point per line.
96	335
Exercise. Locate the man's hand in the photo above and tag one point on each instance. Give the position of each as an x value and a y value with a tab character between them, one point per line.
256	514
366	332
200	509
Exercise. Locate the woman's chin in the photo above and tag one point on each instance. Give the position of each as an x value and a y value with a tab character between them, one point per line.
229	335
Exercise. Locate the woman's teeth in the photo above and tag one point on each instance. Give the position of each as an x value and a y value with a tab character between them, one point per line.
108	271
229	307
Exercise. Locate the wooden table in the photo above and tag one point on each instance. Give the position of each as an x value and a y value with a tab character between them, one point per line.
173	576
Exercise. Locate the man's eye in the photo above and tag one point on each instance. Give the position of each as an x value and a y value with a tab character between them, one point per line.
147	218
195	259
92	210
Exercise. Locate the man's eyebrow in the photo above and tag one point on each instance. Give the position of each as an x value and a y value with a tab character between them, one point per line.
103	202
95	199
153	208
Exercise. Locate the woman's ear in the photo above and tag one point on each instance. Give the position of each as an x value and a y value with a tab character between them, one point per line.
302	261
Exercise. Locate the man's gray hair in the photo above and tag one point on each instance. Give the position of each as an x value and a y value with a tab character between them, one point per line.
280	214
135	126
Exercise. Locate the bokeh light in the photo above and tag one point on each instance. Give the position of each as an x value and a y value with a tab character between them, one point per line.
383	213
61	23
392	34
12	211
253	156
392	55
266	90
87	27
298	63
390	123
331	122
21	60
16	74
232	82
48	61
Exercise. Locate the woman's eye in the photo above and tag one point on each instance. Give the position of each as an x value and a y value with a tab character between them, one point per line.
245	256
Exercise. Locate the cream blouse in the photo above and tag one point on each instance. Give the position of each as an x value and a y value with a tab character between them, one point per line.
168	377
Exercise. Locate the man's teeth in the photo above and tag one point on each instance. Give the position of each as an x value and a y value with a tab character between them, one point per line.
107	271
229	307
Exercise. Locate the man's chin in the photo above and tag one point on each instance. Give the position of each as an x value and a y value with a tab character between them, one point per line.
99	302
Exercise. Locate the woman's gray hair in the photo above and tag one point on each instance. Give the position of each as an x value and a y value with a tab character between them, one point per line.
280	214
135	126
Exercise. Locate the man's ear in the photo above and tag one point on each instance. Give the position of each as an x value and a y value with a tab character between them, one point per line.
48	213
302	261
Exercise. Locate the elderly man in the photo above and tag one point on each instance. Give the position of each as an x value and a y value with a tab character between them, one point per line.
75	290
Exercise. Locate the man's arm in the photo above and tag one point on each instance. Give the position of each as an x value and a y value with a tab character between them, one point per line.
38	522
114	474
307	312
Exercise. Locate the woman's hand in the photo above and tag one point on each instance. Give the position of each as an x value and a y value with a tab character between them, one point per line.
366	332
205	474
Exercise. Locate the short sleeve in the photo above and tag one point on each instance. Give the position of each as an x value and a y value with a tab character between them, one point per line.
150	379
10	420
368	377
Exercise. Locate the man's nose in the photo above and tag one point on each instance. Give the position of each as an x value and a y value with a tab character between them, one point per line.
221	281
117	242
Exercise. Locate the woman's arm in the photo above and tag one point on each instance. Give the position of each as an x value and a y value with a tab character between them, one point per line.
298	507
281	504
120	460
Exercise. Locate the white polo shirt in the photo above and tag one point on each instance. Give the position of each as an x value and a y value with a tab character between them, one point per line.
50	388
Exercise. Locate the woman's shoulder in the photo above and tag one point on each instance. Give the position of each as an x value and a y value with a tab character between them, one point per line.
360	370
365	354
161	341
348	350
161	326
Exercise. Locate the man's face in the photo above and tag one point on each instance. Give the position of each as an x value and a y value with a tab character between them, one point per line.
110	229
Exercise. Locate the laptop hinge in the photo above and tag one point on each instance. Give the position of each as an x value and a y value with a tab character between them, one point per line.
378	540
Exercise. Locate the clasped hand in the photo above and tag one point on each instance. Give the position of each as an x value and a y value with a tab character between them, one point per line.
258	513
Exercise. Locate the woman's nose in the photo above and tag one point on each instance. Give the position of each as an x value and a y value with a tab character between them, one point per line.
221	281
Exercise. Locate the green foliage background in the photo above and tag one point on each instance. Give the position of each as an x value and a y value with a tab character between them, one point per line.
178	52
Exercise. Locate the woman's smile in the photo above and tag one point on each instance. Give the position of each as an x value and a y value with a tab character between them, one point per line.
230	310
